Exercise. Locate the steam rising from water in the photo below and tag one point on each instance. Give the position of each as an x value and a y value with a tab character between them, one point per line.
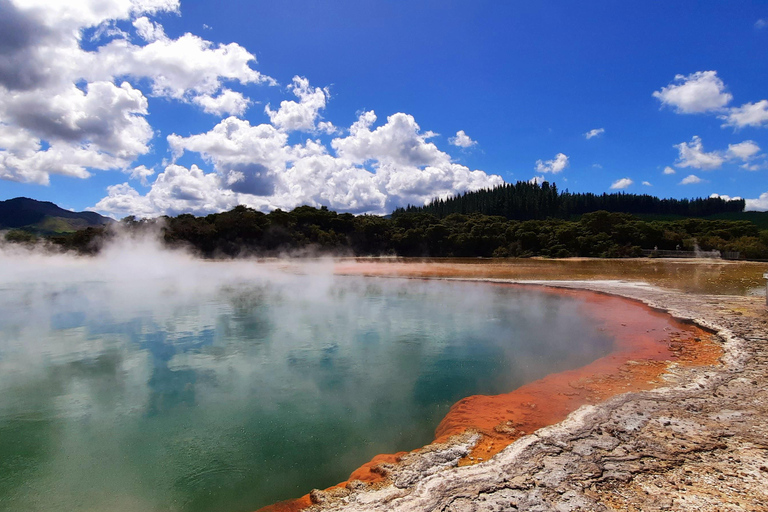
145	379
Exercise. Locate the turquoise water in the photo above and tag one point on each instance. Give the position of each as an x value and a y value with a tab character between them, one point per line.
227	389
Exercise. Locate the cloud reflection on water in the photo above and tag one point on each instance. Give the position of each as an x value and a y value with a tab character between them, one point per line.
147	377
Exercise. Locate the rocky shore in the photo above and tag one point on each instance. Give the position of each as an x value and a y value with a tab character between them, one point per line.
698	441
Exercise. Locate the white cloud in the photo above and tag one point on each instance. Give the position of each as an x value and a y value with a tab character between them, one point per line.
724	197
755	166
247	157
669	170
149	30
692	154
537	180
400	142
761	23
176	190
597	166
69	110
691	179
704	92
749	114
760	204
462	140
696	93
255	166
108	30
74	108
100	128
647	184
177	68
105	115
554	166
327	127
596	132
60	158
141	173
621	184
301	115
228	102
745	151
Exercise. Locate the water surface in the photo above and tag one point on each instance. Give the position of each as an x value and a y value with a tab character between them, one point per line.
233	388
700	276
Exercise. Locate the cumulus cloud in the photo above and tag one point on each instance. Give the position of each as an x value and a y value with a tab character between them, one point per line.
177	68
69	110
749	114
554	166
690	180
176	190
102	127
647	184
761	23
255	166
705	92
247	157
40	40
141	173
462	140
669	170
596	132
692	154
227	102
621	184
399	141
760	204
37	165
105	115
80	110
746	150
148	30
301	115
696	93
724	197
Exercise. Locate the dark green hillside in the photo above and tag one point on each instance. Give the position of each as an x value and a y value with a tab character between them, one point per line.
307	230
759	219
531	201
44	217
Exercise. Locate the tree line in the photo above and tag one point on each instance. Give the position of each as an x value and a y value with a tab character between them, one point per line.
307	230
530	201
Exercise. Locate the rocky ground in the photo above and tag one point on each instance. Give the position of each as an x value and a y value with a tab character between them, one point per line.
700	442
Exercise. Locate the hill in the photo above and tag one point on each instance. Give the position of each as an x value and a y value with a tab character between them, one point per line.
44	217
532	201
759	219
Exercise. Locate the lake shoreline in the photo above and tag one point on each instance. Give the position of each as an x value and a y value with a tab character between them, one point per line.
637	450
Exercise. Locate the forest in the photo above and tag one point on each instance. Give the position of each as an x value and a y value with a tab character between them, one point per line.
308	231
529	201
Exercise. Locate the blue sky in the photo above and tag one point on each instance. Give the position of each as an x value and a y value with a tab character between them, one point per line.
670	91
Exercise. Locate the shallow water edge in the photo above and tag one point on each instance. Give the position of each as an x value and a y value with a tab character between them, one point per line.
696	443
649	342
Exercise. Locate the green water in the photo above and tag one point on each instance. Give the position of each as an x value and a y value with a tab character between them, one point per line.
241	391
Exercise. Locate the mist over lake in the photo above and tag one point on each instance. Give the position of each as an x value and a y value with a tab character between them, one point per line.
147	380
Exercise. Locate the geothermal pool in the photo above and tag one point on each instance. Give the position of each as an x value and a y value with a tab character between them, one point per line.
226	387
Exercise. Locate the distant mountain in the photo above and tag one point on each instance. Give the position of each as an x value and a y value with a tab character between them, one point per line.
45	217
